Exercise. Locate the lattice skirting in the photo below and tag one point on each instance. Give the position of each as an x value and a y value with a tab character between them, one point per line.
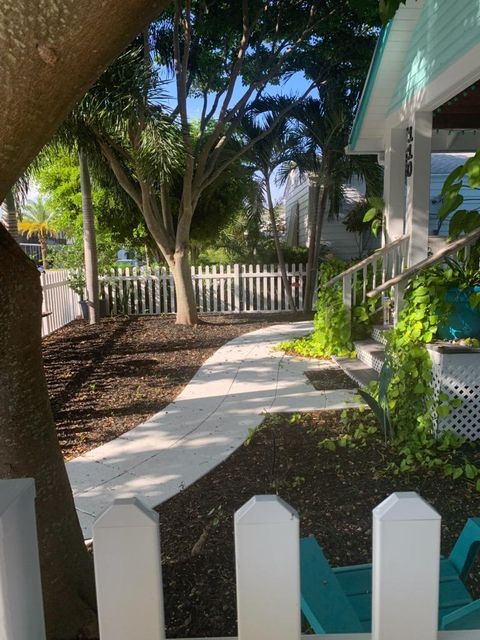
458	375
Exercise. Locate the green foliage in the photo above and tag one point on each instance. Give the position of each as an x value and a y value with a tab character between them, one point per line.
374	215
333	329
462	221
388	8
331	326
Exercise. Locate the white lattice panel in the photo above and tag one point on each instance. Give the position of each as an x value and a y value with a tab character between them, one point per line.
458	375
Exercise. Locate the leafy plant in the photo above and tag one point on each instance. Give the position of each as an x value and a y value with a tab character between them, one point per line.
462	220
375	215
331	326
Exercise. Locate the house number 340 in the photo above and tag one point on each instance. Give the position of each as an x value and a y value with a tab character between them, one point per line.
409	153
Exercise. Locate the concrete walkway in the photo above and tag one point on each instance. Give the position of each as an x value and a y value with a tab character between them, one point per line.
210	418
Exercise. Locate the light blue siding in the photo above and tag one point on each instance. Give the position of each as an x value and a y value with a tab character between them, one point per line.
445	31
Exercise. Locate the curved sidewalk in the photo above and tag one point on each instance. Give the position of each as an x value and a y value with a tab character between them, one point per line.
208	420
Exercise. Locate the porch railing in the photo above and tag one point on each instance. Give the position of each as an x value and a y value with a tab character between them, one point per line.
361	279
400	280
128	570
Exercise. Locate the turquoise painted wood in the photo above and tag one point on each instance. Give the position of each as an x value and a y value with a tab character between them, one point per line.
324	603
465	618
445	31
340	600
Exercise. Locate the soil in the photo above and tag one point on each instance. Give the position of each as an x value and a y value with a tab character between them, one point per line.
105	379
328	379
333	492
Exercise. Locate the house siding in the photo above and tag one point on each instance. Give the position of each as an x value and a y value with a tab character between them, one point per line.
301	194
445	31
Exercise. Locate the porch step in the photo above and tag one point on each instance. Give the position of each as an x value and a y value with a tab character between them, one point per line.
379	332
358	371
371	352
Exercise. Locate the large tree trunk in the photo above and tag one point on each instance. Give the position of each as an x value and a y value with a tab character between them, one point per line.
11	215
30	448
184	292
52	52
280	257
89	240
308	291
316	225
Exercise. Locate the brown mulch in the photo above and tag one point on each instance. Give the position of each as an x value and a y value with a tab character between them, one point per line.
328	379
333	492
105	379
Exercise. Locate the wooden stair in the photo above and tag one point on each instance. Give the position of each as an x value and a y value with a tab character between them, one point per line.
370	355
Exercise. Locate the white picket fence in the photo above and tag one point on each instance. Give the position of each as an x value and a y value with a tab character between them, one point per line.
60	303
128	570
218	289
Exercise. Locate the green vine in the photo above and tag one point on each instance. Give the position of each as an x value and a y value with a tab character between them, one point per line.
403	401
333	331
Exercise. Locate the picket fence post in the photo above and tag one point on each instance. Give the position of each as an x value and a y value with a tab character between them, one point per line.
406	552
21	602
267	570
128	572
236	288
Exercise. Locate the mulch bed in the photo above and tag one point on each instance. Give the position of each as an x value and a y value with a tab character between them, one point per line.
105	379
334	493
329	378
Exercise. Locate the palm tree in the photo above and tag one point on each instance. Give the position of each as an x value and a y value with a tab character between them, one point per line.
266	155
38	220
321	133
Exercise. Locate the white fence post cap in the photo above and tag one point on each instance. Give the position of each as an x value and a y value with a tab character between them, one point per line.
11	490
405	505
265	509
127	512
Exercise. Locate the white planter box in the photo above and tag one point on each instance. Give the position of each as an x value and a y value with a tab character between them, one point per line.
456	372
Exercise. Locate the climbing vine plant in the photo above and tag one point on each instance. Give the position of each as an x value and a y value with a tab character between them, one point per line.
333	330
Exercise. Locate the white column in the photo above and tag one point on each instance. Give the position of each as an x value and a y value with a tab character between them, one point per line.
418	153
21	602
394	184
267	555
406	563
128	572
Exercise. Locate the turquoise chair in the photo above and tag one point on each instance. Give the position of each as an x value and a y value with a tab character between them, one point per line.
339	600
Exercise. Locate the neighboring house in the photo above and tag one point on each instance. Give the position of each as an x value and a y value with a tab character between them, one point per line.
442	165
299	198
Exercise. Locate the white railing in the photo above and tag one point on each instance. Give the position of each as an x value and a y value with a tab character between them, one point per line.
127	555
218	289
60	303
368	274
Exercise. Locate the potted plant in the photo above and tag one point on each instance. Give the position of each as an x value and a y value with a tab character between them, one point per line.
462	317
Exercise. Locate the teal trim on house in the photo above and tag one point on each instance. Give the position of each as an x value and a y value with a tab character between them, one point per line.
369	84
446	30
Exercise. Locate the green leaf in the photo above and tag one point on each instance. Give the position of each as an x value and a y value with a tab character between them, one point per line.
455	175
471	471
443	411
451	201
474	299
370	215
457	473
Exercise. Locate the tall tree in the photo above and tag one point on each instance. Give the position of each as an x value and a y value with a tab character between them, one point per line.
266	155
89	240
216	47
38	220
322	132
45	69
